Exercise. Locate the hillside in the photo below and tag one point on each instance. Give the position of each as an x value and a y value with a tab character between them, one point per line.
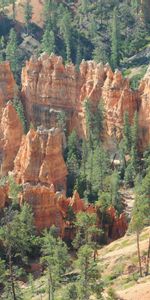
118	265
74	149
118	262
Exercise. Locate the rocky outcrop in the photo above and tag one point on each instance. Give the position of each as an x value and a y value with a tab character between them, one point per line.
144	110
50	207
118	98
40	160
7	84
48	84
3	195
118	224
53	208
11	132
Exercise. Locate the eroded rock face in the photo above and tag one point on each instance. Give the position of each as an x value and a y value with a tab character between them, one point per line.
3	196
50	207
7	82
144	111
118	98
40	160
11	132
47	84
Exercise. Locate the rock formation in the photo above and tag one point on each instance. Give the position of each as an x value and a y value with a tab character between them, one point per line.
40	160
7	82
118	98
11	132
48	84
3	195
144	110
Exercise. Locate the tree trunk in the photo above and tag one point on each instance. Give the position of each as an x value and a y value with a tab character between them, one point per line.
138	252
50	286
12	277
14	10
148	258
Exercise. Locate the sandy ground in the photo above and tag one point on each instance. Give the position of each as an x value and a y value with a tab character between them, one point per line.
140	291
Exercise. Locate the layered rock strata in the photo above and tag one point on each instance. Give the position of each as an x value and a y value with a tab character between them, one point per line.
40	160
52	208
49	84
144	110
11	132
7	82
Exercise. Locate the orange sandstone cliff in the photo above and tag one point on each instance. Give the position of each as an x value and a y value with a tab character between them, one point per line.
144	110
49	84
48	87
40	160
11	132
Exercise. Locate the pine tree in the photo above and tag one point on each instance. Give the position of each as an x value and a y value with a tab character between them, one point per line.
48	40
28	11
12	52
88	117
141	213
115	41
19	109
65	30
55	259
86	229
134	148
13	2
73	161
89	282
100	169
114	190
16	234
2	49
127	133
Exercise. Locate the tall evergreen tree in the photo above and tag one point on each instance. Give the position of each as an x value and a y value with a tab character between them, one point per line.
127	133
115	55
28	11
16	234
65	30
12	52
89	282
141	212
2	49
55	258
48	40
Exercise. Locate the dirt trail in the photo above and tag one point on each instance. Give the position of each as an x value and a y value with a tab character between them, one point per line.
128	197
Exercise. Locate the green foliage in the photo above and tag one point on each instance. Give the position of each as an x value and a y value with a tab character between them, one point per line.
55	259
48	40
134	83
2	49
16	234
70	292
73	161
62	119
127	133
12	52
14	189
20	111
65	30
141	210
86	230
89	282
115	41
28	11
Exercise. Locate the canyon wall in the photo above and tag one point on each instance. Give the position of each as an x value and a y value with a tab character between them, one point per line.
11	132
40	160
144	111
36	160
48	84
